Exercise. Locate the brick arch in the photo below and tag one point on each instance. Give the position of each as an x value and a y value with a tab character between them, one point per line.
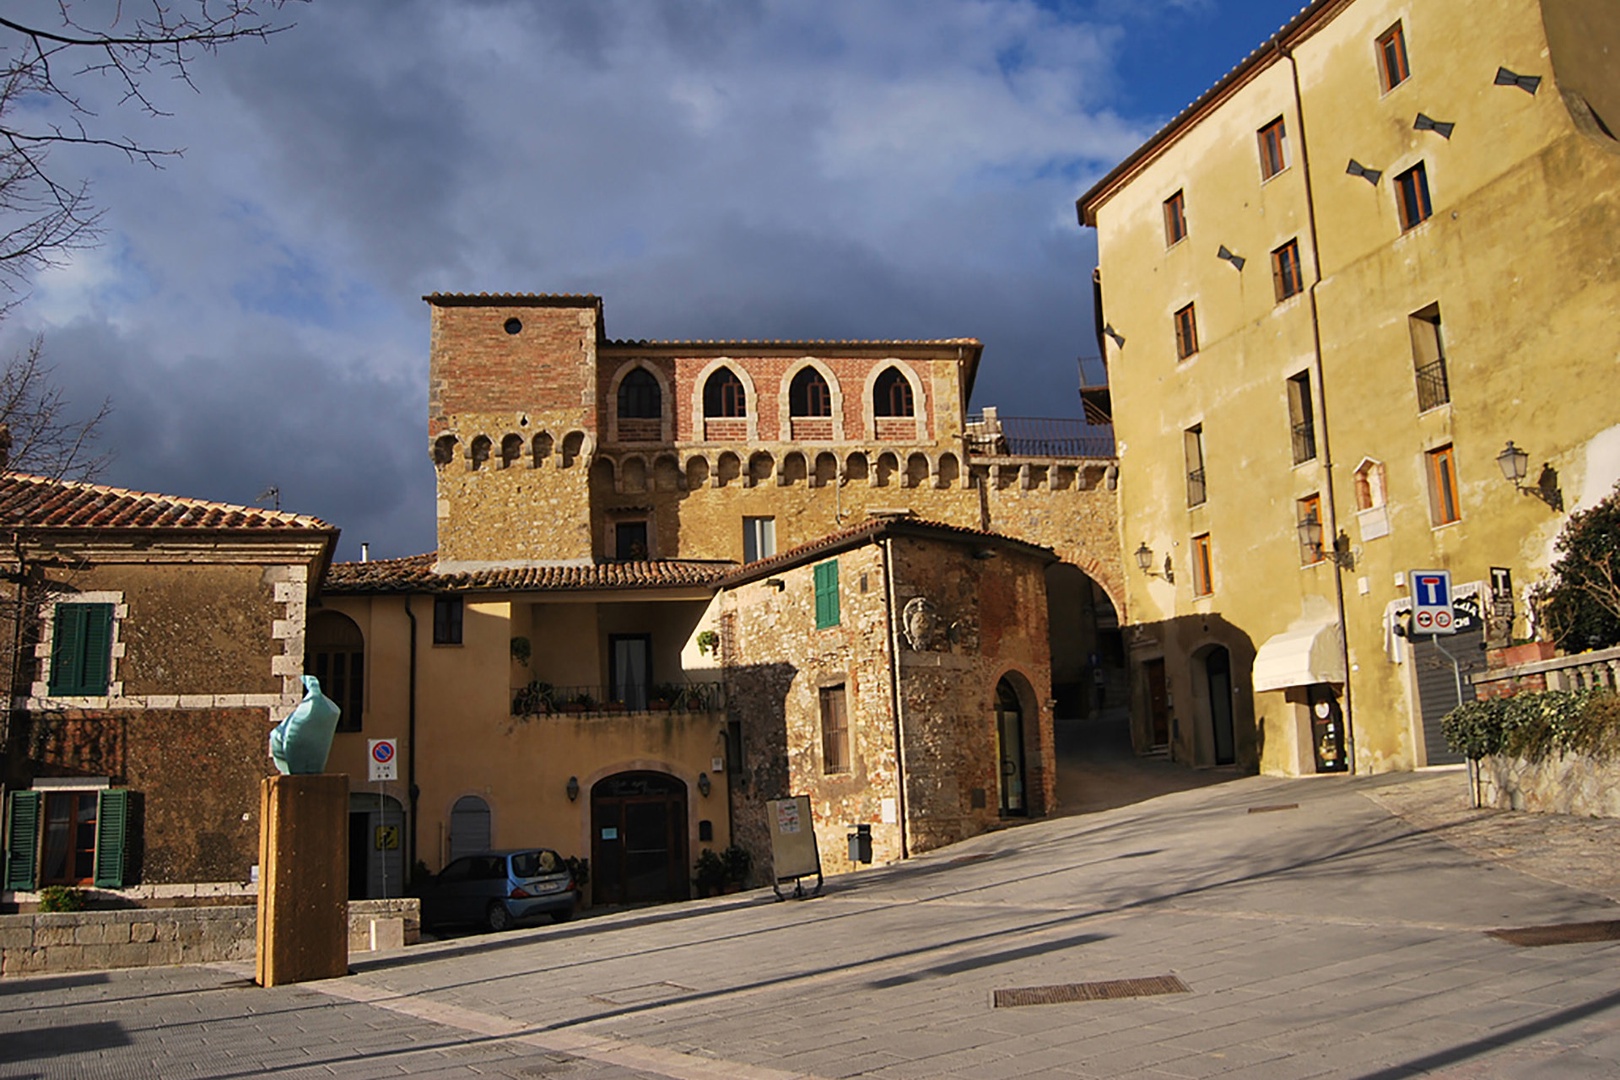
919	399
749	393
666	391
784	405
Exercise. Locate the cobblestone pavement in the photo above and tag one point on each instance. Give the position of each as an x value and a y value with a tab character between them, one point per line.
1317	932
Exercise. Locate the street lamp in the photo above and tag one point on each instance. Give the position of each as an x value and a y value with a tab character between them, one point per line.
1144	562
1515	463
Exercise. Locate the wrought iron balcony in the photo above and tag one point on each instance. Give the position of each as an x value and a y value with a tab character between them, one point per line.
1304	441
1432	388
1195	487
1023	436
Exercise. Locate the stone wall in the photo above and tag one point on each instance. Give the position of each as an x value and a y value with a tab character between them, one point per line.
149	937
1558	785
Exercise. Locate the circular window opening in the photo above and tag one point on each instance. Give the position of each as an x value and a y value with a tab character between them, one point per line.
514	326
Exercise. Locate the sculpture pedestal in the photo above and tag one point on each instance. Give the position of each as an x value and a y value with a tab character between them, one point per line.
303	878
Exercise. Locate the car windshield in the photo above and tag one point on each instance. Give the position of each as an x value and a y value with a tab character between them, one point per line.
528	864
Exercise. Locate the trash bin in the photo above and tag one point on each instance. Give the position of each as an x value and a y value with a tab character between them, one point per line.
860	844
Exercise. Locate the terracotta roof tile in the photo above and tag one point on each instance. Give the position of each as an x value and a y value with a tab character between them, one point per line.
36	502
419	573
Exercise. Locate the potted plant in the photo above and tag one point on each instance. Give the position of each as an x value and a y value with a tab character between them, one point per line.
579	703
711	874
664	696
521	650
536	699
707	642
736	862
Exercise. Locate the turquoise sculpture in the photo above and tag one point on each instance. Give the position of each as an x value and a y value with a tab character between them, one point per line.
299	744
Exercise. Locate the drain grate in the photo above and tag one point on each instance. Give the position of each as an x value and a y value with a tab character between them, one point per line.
1109	990
1530	937
1273	809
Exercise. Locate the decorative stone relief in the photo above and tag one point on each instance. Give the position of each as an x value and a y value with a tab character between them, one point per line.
920	621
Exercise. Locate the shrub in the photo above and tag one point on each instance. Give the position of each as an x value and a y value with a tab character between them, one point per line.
1536	726
62	898
1578	606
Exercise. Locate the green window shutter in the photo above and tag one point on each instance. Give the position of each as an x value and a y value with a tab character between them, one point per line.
827	595
67	649
22	840
112	817
81	650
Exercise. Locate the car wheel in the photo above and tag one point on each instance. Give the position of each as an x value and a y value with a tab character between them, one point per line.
497	918
563	914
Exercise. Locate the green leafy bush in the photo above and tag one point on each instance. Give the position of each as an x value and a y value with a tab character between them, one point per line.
54	898
1578	606
1536	726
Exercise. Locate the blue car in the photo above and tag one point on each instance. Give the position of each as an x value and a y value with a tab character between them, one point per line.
500	889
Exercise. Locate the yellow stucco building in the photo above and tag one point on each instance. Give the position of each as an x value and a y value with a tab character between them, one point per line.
1339	294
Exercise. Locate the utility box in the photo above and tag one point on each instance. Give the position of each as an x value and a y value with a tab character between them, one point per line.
860	844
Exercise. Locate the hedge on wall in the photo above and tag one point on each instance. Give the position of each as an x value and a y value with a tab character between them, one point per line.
1535	726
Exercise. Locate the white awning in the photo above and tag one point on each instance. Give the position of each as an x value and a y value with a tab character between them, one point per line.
1300	657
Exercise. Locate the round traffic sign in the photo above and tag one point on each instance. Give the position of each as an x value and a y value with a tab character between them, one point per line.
1442	620
1425	619
382	752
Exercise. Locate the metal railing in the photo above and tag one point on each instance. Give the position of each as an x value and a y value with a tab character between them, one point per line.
1026	436
1195	487
1432	387
1304	441
541	698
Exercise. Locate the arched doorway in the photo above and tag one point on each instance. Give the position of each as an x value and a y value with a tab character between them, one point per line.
376	846
1087	648
1010	749
638	838
1218	673
469	826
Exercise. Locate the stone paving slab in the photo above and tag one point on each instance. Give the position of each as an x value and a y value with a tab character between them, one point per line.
1336	939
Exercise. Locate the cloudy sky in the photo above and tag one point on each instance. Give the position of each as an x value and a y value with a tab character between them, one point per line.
711	168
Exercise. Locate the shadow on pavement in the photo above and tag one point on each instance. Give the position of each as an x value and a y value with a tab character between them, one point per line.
1099	770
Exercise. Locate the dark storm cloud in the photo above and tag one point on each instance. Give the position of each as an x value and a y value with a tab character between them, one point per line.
712	169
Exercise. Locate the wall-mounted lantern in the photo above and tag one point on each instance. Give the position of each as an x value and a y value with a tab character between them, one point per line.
704	784
1515	463
573	788
1144	562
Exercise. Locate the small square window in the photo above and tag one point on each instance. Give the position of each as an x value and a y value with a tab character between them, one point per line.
1443	486
447	620
1273	149
1392	68
630	543
1412	197
1175	220
1186	332
1286	275
1203	566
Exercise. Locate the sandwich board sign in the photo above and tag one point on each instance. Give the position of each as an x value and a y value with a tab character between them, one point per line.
1431	602
793	845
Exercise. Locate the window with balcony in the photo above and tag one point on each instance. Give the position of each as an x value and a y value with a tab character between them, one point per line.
1301	418
1273	149
1412	197
1392	67
1443	505
1186	332
1429	358
1175	220
1286	276
1193	447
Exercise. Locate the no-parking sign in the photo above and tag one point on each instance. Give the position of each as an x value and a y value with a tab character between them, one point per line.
1431	602
382	757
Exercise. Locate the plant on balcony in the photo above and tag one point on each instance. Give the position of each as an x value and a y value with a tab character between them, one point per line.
522	650
663	697
54	898
579	703
536	699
